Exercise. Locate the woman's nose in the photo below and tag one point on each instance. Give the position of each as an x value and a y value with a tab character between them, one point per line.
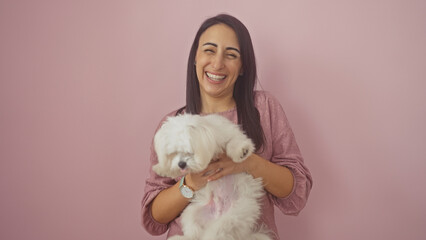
218	62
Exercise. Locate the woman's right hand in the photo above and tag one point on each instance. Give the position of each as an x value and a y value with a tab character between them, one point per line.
169	203
196	181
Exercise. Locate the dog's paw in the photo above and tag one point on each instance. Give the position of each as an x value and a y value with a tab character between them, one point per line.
244	153
239	149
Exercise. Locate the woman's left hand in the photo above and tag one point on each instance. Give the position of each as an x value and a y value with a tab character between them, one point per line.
224	166
277	180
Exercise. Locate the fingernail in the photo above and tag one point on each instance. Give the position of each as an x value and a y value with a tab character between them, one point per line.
207	173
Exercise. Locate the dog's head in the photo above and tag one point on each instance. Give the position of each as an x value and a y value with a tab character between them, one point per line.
183	144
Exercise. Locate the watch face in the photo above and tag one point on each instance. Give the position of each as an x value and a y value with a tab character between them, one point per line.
186	192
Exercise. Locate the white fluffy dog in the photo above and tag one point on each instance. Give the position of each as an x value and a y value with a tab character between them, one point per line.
227	208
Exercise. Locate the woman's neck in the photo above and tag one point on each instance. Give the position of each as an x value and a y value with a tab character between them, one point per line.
215	105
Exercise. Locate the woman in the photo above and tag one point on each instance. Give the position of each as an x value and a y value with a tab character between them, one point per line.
221	78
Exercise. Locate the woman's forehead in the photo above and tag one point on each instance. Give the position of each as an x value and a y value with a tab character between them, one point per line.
221	35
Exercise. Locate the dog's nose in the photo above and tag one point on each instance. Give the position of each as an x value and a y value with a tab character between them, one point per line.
182	165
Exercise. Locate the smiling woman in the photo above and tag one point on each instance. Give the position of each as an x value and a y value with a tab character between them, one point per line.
218	65
221	77
238	38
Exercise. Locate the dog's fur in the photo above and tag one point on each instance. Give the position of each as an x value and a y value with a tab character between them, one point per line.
227	208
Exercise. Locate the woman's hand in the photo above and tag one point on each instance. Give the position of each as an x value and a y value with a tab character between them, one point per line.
196	181
224	166
277	180
219	167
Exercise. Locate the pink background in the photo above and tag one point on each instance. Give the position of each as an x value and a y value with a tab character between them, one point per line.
83	84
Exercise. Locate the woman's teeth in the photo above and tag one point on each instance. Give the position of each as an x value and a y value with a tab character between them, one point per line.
215	77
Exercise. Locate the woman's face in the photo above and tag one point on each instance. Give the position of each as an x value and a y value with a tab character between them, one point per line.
218	61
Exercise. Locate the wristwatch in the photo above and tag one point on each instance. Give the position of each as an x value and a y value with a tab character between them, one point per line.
186	191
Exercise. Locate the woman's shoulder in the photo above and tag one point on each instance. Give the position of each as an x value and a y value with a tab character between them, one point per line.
174	113
265	99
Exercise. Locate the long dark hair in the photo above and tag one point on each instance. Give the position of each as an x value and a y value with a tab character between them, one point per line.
248	115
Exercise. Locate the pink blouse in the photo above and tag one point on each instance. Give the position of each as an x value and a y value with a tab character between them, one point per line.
280	147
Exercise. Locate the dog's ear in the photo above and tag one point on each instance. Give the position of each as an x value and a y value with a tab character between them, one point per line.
160	144
202	140
164	165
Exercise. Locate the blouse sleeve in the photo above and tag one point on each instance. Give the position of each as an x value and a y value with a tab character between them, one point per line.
285	152
154	184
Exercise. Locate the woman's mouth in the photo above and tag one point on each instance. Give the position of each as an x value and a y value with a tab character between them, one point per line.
215	78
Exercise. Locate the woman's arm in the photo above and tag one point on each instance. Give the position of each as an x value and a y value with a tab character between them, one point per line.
277	180
169	203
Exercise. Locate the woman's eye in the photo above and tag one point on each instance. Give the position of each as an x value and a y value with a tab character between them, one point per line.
232	56
209	51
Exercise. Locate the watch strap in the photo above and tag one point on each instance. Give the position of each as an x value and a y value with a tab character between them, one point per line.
181	182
